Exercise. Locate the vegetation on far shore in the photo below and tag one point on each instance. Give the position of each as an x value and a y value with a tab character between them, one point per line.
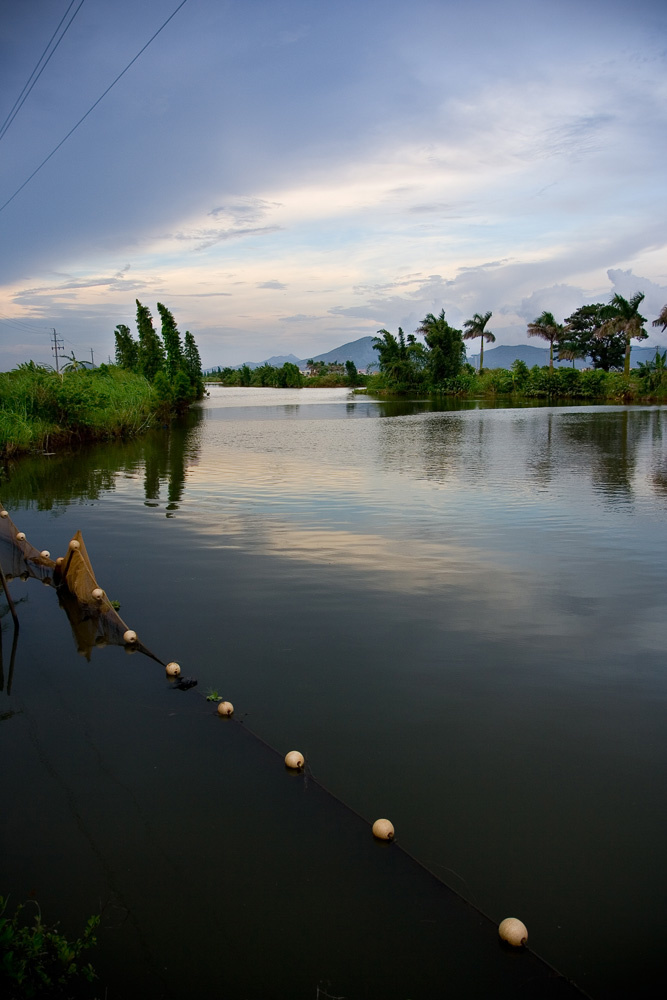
599	333
154	377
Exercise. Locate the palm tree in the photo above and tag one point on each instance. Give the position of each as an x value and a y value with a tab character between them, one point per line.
475	328
662	319
628	321
546	327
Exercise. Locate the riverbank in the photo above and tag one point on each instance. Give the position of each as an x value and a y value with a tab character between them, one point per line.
41	410
645	384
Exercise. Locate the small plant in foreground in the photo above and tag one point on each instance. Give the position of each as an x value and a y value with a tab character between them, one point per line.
115	605
35	959
212	695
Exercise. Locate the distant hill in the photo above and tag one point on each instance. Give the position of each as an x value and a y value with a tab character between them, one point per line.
362	353
503	356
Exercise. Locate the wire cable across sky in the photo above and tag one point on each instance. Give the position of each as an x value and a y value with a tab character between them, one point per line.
23	96
93	106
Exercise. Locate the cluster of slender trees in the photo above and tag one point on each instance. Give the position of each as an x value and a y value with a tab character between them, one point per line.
600	332
173	367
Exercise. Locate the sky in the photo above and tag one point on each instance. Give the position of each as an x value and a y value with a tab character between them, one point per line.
291	175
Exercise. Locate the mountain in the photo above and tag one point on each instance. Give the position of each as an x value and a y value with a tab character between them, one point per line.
503	356
360	351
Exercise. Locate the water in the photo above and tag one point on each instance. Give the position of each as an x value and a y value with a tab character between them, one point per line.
457	615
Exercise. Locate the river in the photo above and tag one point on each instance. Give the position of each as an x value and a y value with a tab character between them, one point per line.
457	614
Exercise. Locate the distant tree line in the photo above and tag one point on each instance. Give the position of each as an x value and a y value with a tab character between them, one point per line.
172	366
289	376
601	333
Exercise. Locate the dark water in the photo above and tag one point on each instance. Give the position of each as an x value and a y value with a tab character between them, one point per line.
459	617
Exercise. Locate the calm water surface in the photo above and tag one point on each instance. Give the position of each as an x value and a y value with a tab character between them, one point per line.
458	616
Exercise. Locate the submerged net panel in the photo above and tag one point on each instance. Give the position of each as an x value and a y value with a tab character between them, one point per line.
94	620
18	556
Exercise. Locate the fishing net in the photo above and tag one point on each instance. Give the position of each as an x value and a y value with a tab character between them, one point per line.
18	556
92	617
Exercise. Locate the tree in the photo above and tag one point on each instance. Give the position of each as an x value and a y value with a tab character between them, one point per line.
475	328
446	351
289	376
351	373
192	362
127	349
401	361
171	339
546	327
584	338
151	351
626	320
662	319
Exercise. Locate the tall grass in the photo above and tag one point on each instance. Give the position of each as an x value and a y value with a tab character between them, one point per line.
40	409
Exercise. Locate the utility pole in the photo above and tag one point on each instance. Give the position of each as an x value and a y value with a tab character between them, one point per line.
57	345
92	358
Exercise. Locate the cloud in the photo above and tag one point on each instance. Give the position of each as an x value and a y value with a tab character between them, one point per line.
298	318
204	239
278	285
627	284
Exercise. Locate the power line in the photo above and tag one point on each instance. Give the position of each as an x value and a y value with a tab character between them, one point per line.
21	99
93	106
21	325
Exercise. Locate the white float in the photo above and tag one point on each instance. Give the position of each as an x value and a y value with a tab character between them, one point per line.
383	829
129	636
295	760
225	708
173	669
513	931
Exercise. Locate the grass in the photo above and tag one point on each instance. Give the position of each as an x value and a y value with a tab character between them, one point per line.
41	410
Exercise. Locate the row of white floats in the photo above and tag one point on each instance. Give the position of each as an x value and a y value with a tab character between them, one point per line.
511	930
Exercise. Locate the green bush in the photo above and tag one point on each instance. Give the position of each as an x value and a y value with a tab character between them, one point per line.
35	959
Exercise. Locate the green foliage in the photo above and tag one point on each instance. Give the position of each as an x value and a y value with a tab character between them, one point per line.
38	406
182	393
474	328
585	336
171	339
627	321
36	960
352	375
546	327
213	695
289	376
151	351
446	352
163	393
408	365
192	362
127	348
